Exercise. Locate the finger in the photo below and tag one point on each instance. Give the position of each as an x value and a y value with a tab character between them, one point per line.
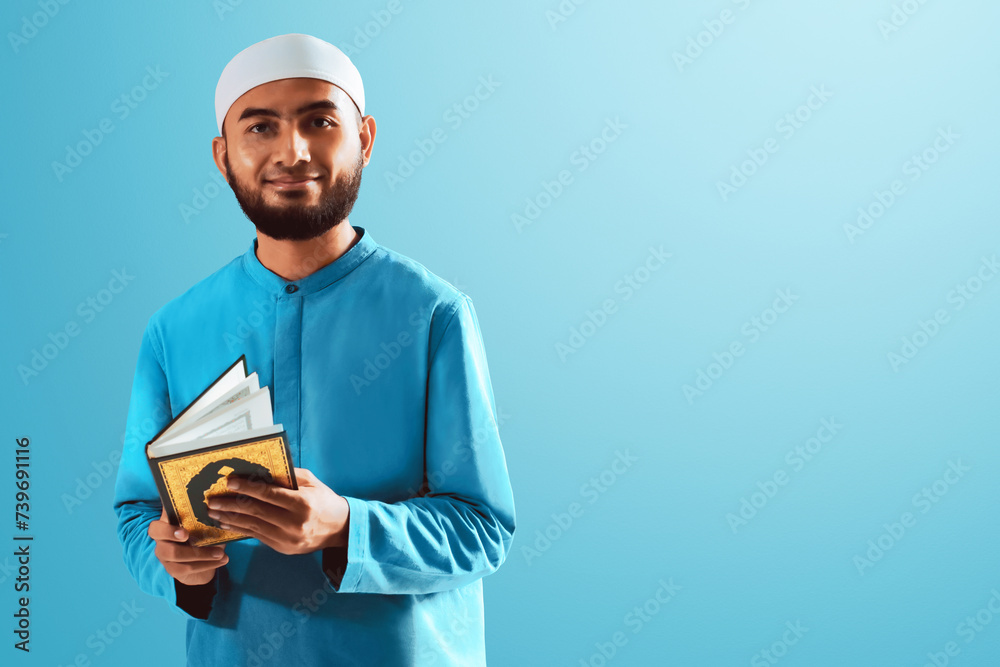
179	553
221	506
160	530
305	475
179	533
254	526
277	543
270	493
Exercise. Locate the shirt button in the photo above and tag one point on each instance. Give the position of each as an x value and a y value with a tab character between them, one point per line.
291	288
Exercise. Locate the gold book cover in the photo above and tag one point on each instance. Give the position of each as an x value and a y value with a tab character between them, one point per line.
187	480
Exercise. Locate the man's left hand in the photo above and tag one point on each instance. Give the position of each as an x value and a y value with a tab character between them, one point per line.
290	522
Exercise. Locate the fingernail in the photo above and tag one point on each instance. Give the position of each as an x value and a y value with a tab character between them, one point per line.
218	554
179	534
233	484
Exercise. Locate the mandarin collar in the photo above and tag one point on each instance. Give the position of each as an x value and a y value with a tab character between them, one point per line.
316	280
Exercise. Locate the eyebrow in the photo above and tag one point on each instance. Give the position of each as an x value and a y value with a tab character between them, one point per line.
320	104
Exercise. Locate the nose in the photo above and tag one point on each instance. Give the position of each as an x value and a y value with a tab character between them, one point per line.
292	147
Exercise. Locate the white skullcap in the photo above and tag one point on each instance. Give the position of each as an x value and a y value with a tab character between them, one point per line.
285	57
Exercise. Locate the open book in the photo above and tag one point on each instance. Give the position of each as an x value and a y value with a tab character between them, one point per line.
228	429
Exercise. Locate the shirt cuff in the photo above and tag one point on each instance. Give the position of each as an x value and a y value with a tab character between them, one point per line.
343	565
195	600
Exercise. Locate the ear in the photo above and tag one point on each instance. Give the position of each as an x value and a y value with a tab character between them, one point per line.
219	155
367	135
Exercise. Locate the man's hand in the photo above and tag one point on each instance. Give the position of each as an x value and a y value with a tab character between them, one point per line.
189	565
290	522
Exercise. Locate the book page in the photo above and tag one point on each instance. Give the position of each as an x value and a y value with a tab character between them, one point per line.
224	384
243	390
167	449
248	413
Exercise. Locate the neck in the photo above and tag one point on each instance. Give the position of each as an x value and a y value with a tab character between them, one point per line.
294	260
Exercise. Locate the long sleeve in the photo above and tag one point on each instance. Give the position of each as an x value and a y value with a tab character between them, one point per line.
137	502
461	529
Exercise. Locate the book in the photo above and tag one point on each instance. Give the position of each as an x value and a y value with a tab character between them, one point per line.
227	430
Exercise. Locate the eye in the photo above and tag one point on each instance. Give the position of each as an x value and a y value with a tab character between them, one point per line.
327	121
251	128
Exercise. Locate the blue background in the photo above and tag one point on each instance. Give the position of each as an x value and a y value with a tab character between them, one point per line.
820	552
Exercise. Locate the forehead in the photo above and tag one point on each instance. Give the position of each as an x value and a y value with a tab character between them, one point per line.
289	92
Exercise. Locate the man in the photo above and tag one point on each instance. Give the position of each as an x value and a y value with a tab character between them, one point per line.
379	377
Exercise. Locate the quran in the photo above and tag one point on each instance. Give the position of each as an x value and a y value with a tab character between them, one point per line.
227	430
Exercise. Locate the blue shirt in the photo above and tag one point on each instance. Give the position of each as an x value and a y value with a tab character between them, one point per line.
378	374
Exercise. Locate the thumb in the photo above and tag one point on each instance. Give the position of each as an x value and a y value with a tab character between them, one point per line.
180	533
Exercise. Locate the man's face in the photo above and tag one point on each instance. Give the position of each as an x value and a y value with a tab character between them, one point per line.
294	161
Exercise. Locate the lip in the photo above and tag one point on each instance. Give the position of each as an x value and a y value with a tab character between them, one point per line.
283	183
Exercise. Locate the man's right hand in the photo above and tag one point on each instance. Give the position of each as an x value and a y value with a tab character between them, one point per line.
189	565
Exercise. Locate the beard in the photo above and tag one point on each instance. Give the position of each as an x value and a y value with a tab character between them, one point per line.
299	222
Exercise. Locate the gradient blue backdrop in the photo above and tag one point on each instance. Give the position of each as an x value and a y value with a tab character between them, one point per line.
636	562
